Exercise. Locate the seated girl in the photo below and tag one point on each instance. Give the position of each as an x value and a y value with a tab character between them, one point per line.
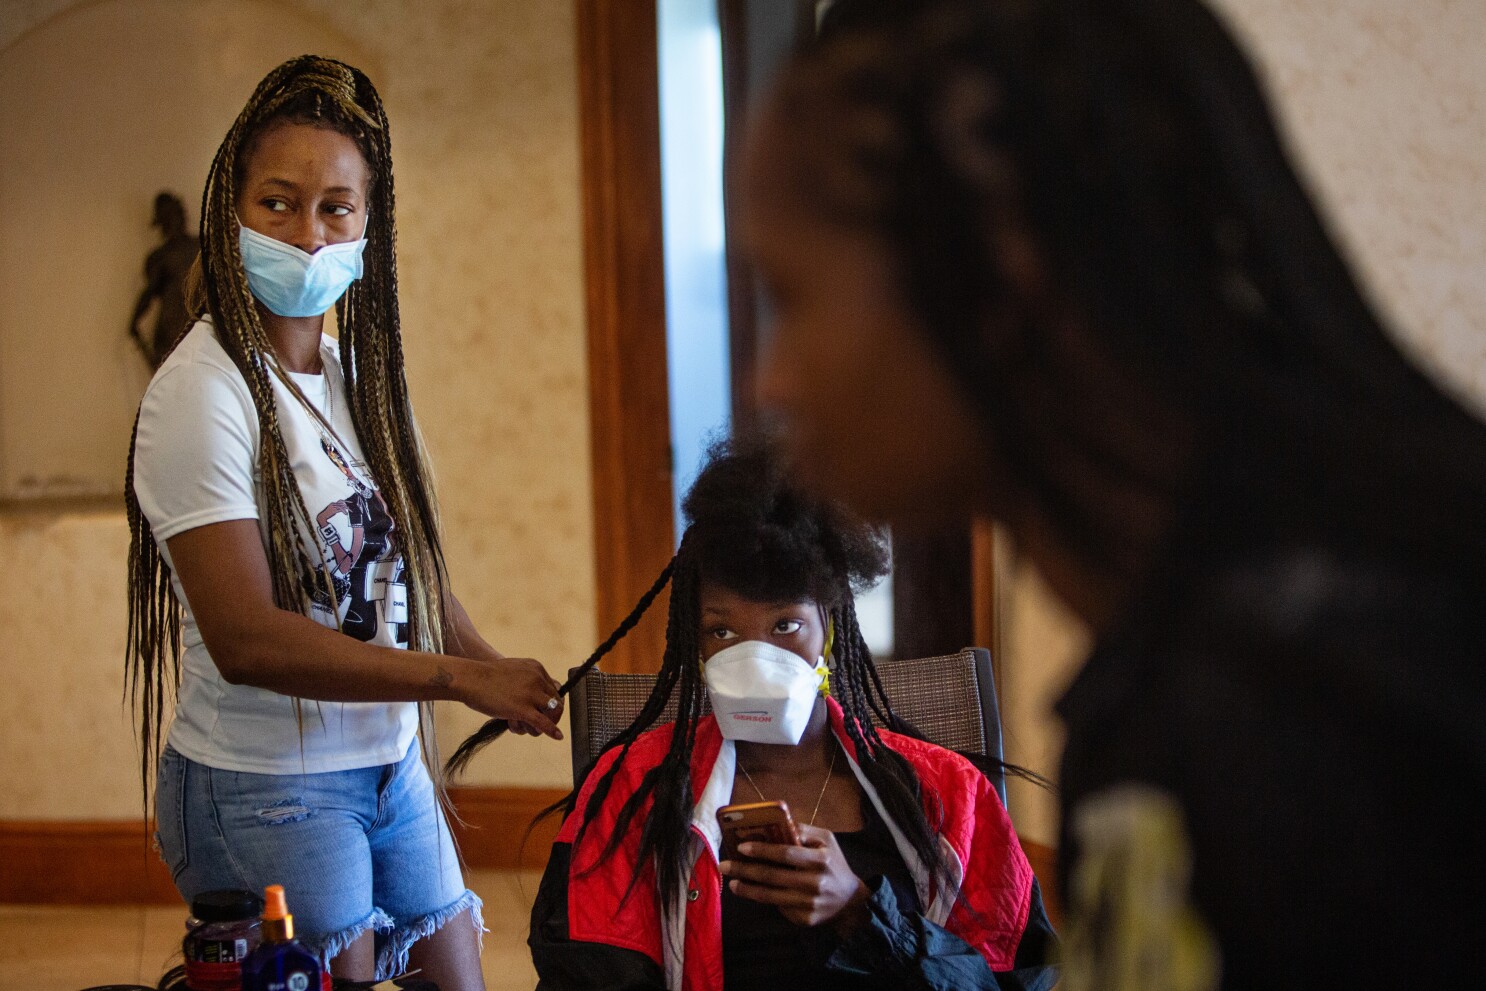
908	874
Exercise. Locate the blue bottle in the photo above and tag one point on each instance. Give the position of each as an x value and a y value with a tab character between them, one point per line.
279	963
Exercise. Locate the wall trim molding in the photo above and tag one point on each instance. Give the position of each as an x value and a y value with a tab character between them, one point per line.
112	862
494	834
103	863
82	863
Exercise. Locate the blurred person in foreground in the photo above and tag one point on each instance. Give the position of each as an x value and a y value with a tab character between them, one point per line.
1047	261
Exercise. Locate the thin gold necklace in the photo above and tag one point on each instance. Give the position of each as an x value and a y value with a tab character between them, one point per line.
329	388
824	785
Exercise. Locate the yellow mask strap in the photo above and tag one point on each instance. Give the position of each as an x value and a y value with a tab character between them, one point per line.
824	669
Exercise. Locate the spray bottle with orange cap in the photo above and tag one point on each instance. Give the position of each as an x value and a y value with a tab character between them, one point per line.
279	963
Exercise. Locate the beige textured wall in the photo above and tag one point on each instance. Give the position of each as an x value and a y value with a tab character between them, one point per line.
1384	103
483	104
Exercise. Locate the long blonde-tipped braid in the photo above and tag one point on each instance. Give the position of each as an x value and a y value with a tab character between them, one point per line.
154	635
371	355
380	406
375	383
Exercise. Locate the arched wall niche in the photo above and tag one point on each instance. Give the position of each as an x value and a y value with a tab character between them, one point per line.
104	103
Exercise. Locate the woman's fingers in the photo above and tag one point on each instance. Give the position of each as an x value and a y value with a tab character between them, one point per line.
803	908
815	836
549	684
548	708
519	690
784	853
769	895
544	688
755	872
811	883
542	719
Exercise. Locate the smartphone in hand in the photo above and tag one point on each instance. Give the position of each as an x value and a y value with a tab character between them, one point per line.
759	822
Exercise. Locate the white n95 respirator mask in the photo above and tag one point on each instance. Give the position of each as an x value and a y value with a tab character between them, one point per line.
762	693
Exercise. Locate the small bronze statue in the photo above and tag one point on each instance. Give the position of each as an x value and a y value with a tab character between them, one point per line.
165	272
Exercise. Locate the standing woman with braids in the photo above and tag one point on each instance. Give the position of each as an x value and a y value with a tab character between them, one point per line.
284	526
909	876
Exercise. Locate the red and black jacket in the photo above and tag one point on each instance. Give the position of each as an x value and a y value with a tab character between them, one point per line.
989	931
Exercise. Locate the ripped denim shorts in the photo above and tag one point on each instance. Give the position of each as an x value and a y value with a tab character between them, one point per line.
362	849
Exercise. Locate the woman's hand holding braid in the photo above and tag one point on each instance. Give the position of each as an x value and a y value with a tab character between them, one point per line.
516	689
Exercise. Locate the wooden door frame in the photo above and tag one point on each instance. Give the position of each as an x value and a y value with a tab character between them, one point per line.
629	409
629	413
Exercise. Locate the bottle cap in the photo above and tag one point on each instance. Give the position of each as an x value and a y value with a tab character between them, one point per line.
278	924
226	905
273	902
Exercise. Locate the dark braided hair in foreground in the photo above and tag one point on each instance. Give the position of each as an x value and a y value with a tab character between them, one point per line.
324	93
1127	147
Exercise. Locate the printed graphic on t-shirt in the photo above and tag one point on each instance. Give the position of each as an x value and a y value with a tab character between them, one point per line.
365	564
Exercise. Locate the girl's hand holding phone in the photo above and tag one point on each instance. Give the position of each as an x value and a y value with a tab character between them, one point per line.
811	884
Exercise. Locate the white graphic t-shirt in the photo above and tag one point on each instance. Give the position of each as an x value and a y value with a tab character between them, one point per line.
196	463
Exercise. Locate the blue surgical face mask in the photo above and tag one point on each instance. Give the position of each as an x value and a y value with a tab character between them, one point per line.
294	284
